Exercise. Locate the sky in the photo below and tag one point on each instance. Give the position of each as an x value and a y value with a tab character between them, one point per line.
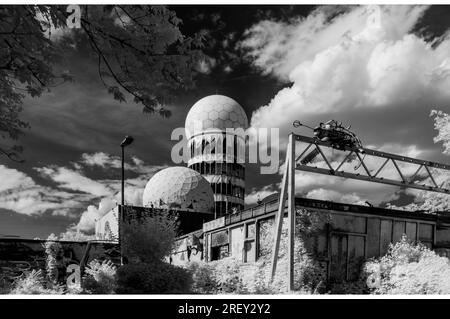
380	71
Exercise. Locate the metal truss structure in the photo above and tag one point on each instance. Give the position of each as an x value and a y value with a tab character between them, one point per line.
350	163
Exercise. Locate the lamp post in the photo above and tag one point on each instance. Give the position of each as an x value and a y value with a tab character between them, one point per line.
127	141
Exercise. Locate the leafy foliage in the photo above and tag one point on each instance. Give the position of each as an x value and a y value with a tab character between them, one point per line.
149	239
146	243
34	283
100	277
231	276
152	278
442	125
139	51
431	201
409	268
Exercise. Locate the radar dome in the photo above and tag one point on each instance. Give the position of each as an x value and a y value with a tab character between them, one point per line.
215	112
179	188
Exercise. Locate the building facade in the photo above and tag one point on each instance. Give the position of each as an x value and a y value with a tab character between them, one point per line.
346	235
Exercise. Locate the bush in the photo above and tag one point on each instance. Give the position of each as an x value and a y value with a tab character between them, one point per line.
358	287
203	278
146	243
229	276
149	239
408	268
154	278
34	283
100	277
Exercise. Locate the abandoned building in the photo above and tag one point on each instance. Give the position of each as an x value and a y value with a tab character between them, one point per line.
208	197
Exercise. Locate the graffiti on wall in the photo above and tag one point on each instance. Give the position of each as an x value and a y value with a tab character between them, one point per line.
20	256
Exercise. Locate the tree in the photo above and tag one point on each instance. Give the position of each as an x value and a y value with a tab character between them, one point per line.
430	201
442	125
150	239
146	243
139	51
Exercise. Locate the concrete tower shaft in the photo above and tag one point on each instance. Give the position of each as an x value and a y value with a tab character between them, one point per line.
215	127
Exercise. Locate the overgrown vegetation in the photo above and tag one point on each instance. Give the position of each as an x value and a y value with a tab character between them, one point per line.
146	243
36	283
231	276
100	278
408	268
152	278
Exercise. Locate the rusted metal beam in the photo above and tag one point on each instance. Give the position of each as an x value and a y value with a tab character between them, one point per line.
405	181
367	151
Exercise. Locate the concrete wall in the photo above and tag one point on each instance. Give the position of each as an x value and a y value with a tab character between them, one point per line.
187	249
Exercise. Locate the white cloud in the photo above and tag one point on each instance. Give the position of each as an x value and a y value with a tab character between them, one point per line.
347	64
88	218
73	190
20	193
279	47
12	178
101	159
107	161
74	180
358	66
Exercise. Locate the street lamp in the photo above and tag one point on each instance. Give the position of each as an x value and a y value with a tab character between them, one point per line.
127	141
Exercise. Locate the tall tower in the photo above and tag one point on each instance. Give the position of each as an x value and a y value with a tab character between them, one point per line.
216	153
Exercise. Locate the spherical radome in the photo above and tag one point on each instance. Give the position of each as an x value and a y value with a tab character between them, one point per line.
215	112
179	188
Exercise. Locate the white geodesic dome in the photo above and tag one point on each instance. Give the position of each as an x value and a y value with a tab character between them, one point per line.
179	188
215	112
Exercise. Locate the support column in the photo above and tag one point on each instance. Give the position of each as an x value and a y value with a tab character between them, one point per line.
291	212
279	216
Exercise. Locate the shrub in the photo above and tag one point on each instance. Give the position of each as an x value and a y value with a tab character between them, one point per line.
309	274
408	268
230	276
149	239
358	287
203	278
100	277
34	283
146	243
152	278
